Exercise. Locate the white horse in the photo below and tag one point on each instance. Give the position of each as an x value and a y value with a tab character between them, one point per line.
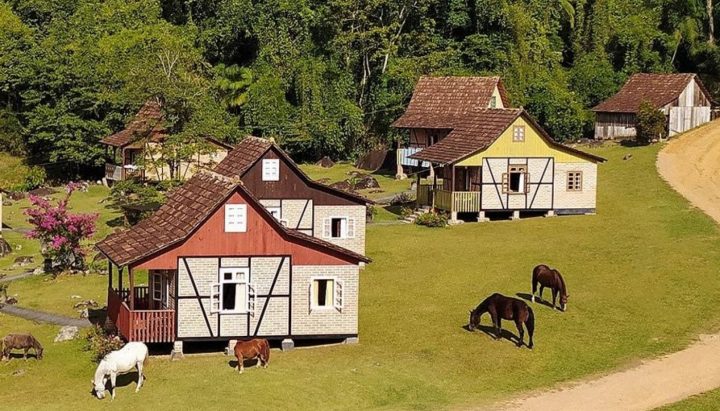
132	355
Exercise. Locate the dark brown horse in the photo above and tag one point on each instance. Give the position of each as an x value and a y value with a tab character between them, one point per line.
21	342
551	278
257	348
505	308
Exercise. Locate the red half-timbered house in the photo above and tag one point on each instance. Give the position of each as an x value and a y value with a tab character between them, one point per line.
222	267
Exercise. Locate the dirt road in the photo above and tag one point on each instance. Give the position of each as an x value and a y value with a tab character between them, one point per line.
691	164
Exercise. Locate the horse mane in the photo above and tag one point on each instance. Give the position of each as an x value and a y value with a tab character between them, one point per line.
562	282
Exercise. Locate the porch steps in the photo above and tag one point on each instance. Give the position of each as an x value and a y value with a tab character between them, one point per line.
417	213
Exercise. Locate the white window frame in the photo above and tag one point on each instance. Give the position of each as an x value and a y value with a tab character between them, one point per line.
216	291
157	286
493	102
337	297
271	169
347	228
235	218
518	134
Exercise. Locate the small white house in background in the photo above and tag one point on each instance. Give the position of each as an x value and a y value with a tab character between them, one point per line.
683	99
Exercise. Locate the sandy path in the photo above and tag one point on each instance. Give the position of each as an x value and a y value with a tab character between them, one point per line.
691	164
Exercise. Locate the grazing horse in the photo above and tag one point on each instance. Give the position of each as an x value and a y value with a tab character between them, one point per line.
132	355
505	308
21	342
247	350
551	278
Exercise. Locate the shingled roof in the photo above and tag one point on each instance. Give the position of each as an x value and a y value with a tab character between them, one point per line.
251	149
148	122
477	130
658	89
436	101
185	210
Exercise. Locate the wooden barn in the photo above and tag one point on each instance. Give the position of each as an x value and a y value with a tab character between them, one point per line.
502	161
296	200
442	96
222	266
133	152
683	99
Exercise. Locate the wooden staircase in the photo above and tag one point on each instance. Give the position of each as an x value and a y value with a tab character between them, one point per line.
418	211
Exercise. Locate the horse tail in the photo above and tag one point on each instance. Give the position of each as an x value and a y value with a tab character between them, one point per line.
535	278
530	324
266	351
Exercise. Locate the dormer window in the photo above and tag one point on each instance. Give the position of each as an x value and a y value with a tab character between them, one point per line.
493	102
271	169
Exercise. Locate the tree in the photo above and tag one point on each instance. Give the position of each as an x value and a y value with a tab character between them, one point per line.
650	123
60	232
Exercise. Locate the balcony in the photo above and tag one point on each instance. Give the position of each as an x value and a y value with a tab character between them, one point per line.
452	201
140	324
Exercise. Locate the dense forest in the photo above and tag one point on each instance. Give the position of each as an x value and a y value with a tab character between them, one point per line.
323	77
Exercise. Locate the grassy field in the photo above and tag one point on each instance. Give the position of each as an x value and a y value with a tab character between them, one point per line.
709	401
638	272
341	171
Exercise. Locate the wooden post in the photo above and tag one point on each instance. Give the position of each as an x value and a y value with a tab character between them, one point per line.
417	189
453	214
434	186
109	274
132	288
120	276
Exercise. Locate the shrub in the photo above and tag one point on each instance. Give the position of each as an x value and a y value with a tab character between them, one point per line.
33	179
137	200
60	232
370	213
101	343
650	123
405	211
432	220
401	198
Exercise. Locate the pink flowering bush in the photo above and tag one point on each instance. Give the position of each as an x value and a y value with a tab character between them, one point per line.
59	231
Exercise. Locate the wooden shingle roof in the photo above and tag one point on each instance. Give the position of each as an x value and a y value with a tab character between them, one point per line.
436	100
658	89
251	149
185	210
476	131
148	122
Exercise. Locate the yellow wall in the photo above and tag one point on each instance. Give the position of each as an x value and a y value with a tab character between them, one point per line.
533	146
498	99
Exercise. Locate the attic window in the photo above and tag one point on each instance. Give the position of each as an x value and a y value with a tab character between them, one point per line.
235	218
271	169
518	134
493	102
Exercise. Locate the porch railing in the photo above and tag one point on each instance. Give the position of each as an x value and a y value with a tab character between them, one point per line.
140	324
453	201
113	172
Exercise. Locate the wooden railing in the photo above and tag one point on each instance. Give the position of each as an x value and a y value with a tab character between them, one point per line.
140	324
453	201
113	172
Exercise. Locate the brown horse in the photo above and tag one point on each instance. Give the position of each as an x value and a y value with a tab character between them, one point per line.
505	308
551	278
257	348
21	342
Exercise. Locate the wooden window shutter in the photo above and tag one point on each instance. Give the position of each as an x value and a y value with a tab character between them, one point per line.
326	228
252	299
505	187
215	297
350	228
339	295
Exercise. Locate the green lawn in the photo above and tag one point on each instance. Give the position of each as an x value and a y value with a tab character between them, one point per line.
638	272
341	171
709	401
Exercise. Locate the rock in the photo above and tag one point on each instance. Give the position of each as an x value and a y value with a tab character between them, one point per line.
18	247
99	182
342	185
366	182
75	297
67	333
627	157
7	203
38	271
84	313
18	373
42	192
325	162
5	248
11	301
16	196
85	304
23	261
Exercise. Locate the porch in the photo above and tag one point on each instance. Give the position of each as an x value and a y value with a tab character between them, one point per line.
136	315
447	200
